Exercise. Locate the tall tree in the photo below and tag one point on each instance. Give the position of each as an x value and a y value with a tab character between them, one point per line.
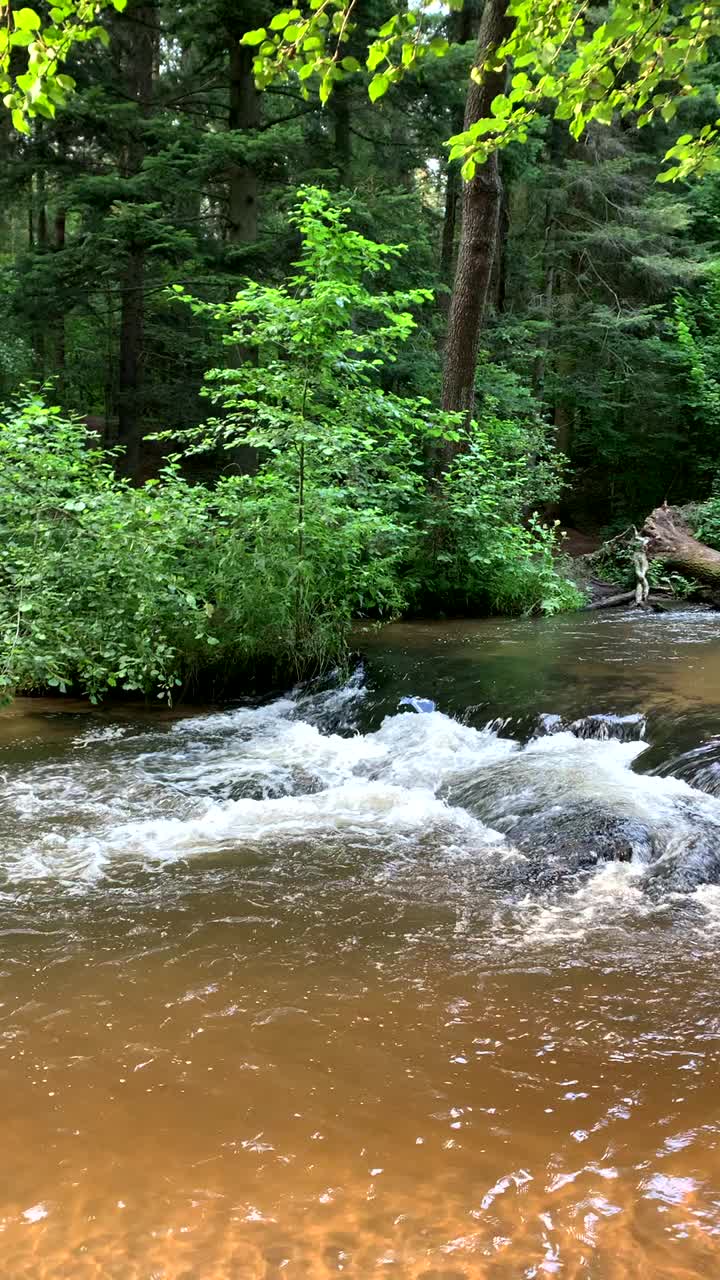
479	236
141	37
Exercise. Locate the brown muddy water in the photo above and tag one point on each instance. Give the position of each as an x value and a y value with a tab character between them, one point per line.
317	988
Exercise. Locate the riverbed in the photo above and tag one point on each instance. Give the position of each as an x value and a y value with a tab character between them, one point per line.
321	986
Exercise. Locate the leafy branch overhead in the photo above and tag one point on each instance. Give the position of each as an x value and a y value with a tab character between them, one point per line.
34	46
638	62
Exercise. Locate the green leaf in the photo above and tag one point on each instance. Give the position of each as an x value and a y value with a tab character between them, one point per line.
350	64
501	106
254	37
19	121
521	82
379	85
44	107
26	20
280	21
376	54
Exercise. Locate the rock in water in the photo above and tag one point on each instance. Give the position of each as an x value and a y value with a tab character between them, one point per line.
562	845
629	728
622	728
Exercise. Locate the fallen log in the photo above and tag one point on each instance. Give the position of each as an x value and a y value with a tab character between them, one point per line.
626	597
672	542
609	602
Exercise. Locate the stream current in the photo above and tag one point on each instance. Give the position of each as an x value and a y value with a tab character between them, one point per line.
316	987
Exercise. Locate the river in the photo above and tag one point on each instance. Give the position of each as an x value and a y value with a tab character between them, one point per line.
319	987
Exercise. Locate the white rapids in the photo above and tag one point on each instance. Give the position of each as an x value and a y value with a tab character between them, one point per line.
421	791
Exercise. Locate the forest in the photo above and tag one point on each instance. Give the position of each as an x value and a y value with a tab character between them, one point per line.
275	357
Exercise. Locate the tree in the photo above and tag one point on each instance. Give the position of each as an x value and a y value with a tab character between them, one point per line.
481	203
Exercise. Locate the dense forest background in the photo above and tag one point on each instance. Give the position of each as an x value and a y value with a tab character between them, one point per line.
239	414
168	167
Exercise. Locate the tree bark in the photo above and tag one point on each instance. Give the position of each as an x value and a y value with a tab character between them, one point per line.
540	361
141	57
462	24
243	114
610	602
447	246
342	137
42	218
672	542
60	229
481	209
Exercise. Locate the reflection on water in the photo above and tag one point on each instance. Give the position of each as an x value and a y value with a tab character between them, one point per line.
427	1000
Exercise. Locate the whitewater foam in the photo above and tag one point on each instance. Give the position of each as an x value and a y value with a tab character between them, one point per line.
275	776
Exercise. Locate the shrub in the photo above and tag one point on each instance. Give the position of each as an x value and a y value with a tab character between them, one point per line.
106	586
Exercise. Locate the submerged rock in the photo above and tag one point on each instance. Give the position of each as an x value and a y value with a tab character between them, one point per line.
602	727
560	845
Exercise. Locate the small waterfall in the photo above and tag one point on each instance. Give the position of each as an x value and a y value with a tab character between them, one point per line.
601	727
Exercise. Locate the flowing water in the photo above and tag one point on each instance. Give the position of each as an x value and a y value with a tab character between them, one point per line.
315	987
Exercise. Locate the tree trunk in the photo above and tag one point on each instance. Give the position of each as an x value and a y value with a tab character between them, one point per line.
141	56
59	328
447	246
462	24
243	114
540	360
481	208
343	139
498	287
672	542
42	219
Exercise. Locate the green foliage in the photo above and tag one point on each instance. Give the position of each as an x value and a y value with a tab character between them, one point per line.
704	519
636	61
481	554
697	321
348	454
341	458
44	40
104	586
682	588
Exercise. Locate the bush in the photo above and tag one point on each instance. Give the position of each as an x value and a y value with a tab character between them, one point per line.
705	520
103	586
483	554
106	586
